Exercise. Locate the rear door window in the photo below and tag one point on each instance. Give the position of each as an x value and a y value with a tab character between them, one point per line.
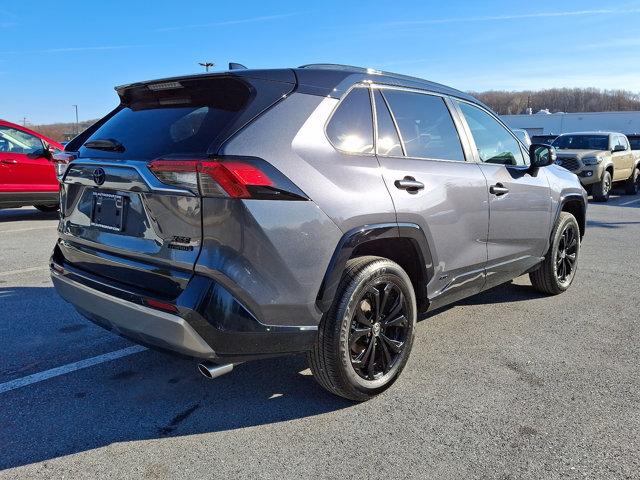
351	126
494	142
425	124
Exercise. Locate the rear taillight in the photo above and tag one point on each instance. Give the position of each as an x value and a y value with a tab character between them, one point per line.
214	178
61	161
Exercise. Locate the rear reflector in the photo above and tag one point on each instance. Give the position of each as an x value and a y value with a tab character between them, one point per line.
212	178
159	305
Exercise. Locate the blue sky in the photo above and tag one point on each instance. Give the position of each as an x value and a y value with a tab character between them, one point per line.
56	54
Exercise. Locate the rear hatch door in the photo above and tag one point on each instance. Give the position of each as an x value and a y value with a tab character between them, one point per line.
119	221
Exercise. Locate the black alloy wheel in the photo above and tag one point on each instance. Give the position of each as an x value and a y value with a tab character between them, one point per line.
567	254
558	269
365	338
378	331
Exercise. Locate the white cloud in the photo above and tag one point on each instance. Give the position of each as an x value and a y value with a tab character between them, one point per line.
72	49
226	23
574	13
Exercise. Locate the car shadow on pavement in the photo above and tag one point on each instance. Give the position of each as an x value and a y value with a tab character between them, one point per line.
152	395
506	293
21	214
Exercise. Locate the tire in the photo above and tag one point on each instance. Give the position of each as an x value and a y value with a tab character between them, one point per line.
47	208
602	189
632	184
558	269
357	355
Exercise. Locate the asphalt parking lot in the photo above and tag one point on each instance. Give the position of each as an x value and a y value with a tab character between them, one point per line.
507	384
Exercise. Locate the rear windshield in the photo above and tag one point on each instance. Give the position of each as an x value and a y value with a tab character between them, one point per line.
171	118
582	142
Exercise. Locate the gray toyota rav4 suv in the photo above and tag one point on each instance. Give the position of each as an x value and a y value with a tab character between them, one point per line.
323	209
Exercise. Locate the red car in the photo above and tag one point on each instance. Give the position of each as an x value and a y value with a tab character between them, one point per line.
27	175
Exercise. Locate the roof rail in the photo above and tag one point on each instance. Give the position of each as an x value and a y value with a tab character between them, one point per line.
336	66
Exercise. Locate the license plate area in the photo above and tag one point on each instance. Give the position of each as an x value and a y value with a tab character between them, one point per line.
108	211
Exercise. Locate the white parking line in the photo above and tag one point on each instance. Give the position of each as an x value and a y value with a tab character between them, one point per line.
630	202
71	367
24	270
28	229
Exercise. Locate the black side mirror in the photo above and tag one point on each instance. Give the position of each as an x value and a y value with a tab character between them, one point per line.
40	153
44	152
619	148
541	155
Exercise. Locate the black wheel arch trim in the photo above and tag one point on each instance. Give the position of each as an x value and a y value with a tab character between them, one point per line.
369	233
572	197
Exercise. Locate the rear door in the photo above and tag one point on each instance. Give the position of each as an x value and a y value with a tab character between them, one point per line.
433	185
519	199
23	166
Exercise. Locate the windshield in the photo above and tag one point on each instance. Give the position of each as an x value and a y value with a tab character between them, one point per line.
582	142
635	143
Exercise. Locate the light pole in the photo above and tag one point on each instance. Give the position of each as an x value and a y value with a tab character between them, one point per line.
77	126
206	65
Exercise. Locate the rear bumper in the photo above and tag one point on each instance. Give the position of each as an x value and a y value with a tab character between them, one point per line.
209	322
137	322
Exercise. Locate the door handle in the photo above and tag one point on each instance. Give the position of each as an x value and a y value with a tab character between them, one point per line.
409	184
9	161
498	189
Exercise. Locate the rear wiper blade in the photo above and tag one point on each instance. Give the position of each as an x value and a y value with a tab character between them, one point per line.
108	144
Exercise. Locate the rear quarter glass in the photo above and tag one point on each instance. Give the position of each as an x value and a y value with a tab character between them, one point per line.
190	117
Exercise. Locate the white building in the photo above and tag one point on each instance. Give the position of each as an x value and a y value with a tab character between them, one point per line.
555	123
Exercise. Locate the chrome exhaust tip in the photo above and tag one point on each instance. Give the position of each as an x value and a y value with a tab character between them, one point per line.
214	370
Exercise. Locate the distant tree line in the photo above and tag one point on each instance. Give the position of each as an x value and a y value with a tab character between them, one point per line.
566	100
61	132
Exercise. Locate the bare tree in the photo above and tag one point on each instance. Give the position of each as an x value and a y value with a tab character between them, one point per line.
560	100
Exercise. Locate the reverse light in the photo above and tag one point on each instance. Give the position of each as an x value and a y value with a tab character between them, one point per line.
212	178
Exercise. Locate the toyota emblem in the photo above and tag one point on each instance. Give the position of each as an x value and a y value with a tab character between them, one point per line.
99	176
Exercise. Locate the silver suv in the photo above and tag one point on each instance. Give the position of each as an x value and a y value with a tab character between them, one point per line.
323	209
